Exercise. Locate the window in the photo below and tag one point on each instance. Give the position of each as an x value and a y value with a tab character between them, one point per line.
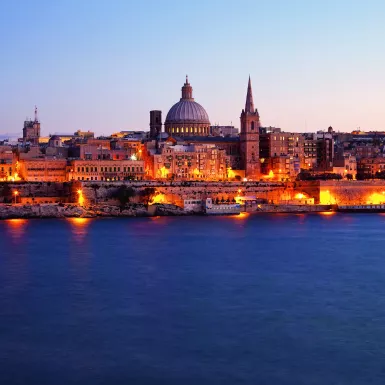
252	126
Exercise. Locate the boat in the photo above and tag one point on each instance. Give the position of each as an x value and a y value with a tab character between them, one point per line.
369	208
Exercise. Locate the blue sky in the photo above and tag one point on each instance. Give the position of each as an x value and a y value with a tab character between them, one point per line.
103	65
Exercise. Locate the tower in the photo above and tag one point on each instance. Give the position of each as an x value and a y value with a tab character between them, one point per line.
155	123
31	130
249	137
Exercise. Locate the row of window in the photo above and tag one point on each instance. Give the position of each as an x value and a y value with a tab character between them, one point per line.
107	179
190	130
110	169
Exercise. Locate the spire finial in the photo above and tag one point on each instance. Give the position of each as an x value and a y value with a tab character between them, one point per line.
186	79
35	114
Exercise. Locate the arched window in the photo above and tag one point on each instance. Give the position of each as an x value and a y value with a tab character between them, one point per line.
252	125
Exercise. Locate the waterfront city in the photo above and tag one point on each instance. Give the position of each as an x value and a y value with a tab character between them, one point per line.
184	160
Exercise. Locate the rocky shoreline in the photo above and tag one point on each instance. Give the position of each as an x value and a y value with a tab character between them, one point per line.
67	210
58	210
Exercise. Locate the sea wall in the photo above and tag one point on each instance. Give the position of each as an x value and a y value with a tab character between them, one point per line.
11	211
352	192
176	192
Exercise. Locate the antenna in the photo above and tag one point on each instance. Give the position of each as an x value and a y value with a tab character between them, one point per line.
36	114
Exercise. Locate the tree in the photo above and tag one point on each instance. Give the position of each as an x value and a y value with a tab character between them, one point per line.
147	194
124	195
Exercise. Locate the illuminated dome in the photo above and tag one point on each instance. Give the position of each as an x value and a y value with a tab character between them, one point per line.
187	117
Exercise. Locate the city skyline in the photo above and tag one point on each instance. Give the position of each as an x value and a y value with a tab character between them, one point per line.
97	67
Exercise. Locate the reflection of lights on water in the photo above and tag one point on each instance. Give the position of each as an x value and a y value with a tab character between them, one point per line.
327	213
79	226
16	227
79	222
242	215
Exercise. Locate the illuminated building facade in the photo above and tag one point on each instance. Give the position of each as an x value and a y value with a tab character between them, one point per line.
106	170
189	162
43	170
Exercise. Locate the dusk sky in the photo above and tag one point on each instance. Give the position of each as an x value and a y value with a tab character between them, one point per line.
103	65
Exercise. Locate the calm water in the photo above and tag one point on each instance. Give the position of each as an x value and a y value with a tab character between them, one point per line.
284	299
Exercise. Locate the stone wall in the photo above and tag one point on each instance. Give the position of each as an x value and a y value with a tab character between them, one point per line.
176	192
352	192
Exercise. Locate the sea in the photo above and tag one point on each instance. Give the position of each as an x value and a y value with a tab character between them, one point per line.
253	299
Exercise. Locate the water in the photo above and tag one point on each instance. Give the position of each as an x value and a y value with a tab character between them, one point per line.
281	299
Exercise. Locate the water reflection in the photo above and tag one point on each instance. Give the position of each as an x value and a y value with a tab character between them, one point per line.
79	227
16	228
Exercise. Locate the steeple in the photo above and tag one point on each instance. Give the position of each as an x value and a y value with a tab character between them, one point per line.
187	91
36	119
249	107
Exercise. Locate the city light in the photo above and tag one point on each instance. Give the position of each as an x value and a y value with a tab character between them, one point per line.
15	193
80	197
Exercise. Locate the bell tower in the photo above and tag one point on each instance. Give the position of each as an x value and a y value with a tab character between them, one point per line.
249	137
155	123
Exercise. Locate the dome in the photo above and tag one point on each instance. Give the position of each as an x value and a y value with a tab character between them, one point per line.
187	117
187	111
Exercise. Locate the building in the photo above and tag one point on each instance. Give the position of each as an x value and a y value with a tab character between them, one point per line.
187	117
43	170
31	130
225	131
325	151
106	170
249	138
155	123
188	162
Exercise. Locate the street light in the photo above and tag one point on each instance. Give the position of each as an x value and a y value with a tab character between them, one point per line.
15	193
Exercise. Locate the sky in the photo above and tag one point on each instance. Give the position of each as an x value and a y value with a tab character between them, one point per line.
102	65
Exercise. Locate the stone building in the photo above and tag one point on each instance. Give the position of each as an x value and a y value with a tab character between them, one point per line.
189	162
155	123
187	117
31	130
43	170
106	170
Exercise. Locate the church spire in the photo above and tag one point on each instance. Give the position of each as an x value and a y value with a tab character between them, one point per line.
249	107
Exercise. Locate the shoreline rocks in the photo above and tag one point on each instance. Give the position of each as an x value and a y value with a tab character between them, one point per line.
60	210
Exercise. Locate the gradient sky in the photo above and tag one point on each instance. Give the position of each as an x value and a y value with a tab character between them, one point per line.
103	65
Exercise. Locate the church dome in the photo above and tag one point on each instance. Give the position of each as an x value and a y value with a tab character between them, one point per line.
187	111
187	117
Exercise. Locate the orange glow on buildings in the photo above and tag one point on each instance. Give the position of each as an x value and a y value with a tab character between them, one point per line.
159	198
162	172
376	199
80	197
326	198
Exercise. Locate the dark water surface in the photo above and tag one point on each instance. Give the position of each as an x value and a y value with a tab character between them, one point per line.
284	299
